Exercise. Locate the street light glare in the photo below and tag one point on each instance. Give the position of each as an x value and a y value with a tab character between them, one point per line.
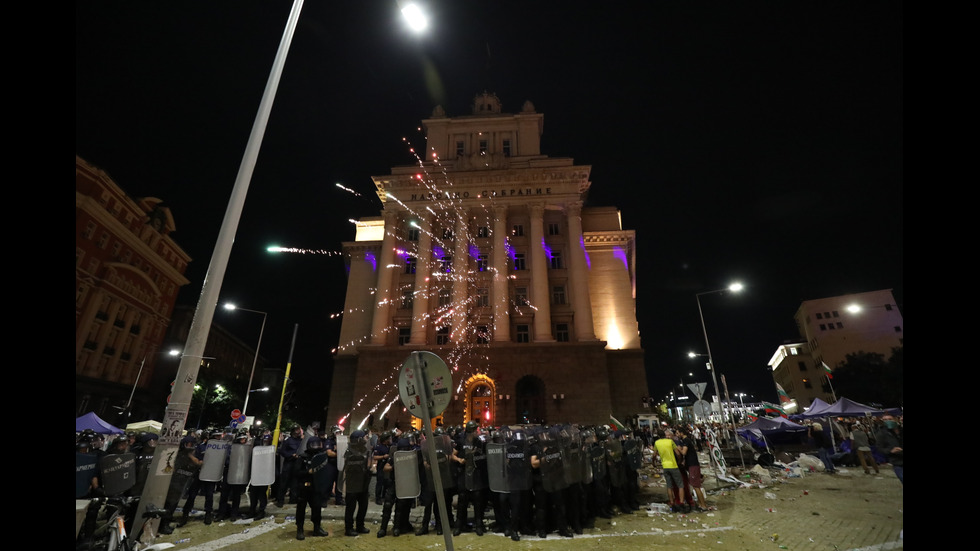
736	287
415	18
229	306
854	308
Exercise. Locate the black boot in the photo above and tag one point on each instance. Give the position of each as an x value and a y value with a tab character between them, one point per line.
299	534
320	532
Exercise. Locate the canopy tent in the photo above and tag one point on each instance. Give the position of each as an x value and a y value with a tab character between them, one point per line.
92	421
765	431
814	410
145	426
841	408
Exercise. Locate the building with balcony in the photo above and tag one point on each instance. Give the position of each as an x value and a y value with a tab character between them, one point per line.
128	272
486	254
830	329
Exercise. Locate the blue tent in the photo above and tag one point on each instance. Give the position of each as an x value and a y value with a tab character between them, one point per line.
92	421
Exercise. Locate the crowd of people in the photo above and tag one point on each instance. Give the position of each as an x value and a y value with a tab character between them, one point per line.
534	479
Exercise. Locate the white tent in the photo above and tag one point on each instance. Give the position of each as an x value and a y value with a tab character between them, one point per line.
145	426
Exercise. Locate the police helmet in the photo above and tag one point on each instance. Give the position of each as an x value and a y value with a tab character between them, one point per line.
242	434
147	437
188	441
315	443
120	440
471	426
601	432
336	429
83	445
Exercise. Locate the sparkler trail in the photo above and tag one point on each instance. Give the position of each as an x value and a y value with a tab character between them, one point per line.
278	249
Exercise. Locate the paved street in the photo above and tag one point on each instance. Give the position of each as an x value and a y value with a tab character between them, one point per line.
848	511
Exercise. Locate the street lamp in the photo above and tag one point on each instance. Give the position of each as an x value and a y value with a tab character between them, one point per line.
229	306
734	287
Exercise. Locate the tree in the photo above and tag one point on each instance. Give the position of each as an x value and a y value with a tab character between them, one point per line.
868	378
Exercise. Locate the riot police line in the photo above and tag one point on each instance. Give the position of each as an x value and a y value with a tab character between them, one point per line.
534	479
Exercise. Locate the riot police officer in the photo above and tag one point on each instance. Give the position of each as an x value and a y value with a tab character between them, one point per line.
186	465
258	497
289	456
444	453
548	477
472	455
357	476
308	491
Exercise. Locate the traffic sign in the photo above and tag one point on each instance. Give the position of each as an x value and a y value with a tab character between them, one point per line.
702	409
236	413
424	370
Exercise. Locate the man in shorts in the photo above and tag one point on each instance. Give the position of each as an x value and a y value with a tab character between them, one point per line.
665	448
690	455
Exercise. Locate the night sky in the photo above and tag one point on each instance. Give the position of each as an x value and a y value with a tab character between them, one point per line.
751	141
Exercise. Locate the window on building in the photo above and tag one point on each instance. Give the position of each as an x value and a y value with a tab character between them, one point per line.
89	230
819	316
807	384
840	325
794	351
556	260
826	315
518	230
413	234
554	228
802	366
888	307
104	240
445	296
483	231
442	335
482	334
407	299
523	333
898	328
506	148
404	335
482	297
410	265
519	262
823	327
460	148
836	314
127	256
561	332
447	233
483	146
482	262
446	264
520	296
558	295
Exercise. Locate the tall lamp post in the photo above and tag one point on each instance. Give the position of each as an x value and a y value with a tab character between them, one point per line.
248	392
734	287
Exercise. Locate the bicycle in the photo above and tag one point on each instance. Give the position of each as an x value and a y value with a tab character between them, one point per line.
112	535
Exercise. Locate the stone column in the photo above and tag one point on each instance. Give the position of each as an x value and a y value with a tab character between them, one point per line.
579	275
461	263
501	269
423	269
382	304
539	276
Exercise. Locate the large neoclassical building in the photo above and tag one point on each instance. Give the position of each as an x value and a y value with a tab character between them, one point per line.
486	255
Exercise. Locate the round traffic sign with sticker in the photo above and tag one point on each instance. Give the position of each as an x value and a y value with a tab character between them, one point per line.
422	370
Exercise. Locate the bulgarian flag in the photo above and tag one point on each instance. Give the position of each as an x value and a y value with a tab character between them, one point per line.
830	374
616	425
783	397
773	408
751	417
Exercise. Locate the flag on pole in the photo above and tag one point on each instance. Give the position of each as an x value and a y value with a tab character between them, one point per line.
783	397
830	373
751	417
617	425
773	408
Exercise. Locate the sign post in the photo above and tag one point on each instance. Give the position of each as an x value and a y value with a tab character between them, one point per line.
424	385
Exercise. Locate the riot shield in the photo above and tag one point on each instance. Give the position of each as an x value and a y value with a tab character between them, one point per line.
633	451
322	479
356	474
552	467
497	467
597	457
444	450
118	473
614	457
406	470
518	464
342	443
215	453
475	467
85	471
571	447
184	472
240	464
263	466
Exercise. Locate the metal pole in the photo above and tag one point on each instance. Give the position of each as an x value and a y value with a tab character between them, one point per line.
158	481
711	364
255	360
420	368
282	397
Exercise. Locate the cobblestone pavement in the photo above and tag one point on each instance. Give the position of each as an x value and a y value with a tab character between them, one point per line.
813	512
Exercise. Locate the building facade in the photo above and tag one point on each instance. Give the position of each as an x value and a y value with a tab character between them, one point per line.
128	272
486	255
830	329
